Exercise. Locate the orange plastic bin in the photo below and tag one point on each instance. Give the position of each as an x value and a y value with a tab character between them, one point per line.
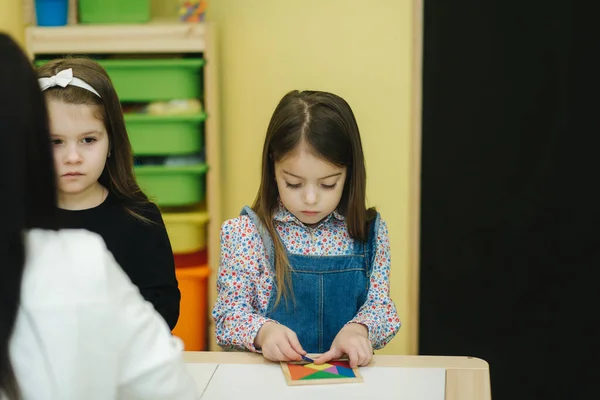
193	315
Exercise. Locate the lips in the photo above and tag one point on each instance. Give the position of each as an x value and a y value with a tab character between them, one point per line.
310	212
73	174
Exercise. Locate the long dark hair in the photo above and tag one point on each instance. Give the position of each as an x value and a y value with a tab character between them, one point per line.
27	189
118	174
327	124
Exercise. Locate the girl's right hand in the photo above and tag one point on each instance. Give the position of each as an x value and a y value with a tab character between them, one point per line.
278	343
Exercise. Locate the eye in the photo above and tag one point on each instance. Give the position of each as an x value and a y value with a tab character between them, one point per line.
56	142
292	186
89	140
328	187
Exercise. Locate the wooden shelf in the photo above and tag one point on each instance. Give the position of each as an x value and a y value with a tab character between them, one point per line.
155	37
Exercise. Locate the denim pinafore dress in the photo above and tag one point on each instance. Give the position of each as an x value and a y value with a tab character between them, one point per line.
328	290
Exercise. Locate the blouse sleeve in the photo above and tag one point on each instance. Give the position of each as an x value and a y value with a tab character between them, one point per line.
379	313
236	315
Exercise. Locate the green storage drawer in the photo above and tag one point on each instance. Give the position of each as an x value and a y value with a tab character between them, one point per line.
172	185
153	135
114	11
154	80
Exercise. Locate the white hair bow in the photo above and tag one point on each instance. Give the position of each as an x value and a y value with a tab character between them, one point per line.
63	79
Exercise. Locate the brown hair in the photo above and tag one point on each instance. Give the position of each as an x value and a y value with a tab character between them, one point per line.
118	174
28	192
326	123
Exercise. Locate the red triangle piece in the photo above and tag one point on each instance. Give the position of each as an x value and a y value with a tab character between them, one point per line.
340	363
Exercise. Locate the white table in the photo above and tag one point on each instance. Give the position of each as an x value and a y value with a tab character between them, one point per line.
229	375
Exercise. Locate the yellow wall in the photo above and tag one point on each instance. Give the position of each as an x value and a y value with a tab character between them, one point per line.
360	50
11	19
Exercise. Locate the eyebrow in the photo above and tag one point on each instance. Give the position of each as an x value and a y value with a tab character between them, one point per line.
299	177
93	132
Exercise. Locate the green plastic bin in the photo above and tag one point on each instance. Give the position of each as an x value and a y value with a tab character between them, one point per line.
155	80
114	11
170	186
153	135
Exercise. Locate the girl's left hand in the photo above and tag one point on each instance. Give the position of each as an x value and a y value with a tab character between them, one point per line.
352	340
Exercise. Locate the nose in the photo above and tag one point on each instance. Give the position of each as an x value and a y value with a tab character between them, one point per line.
73	156
310	196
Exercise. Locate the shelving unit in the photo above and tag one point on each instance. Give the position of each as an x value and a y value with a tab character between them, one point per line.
157	37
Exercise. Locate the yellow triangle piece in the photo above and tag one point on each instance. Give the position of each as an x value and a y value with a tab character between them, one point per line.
318	367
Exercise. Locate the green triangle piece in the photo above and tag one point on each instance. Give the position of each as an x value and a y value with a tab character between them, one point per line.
321	375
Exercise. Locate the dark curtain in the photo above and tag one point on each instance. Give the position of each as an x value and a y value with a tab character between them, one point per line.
509	204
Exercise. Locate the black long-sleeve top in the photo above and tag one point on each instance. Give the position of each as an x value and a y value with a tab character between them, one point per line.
141	248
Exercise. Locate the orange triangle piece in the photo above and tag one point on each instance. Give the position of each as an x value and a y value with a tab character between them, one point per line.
299	371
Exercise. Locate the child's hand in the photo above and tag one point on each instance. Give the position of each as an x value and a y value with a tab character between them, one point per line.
278	343
352	340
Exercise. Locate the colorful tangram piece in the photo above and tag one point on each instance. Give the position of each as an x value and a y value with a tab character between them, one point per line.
330	370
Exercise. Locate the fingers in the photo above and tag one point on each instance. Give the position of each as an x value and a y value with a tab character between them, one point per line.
281	351
288	352
359	354
295	343
281	344
277	354
362	358
262	332
358	351
365	354
353	356
367	359
272	353
333	353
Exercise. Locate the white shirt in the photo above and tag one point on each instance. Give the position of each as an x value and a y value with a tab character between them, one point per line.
84	332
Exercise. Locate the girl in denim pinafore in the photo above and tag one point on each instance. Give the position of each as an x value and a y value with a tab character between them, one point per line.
328	290
306	268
